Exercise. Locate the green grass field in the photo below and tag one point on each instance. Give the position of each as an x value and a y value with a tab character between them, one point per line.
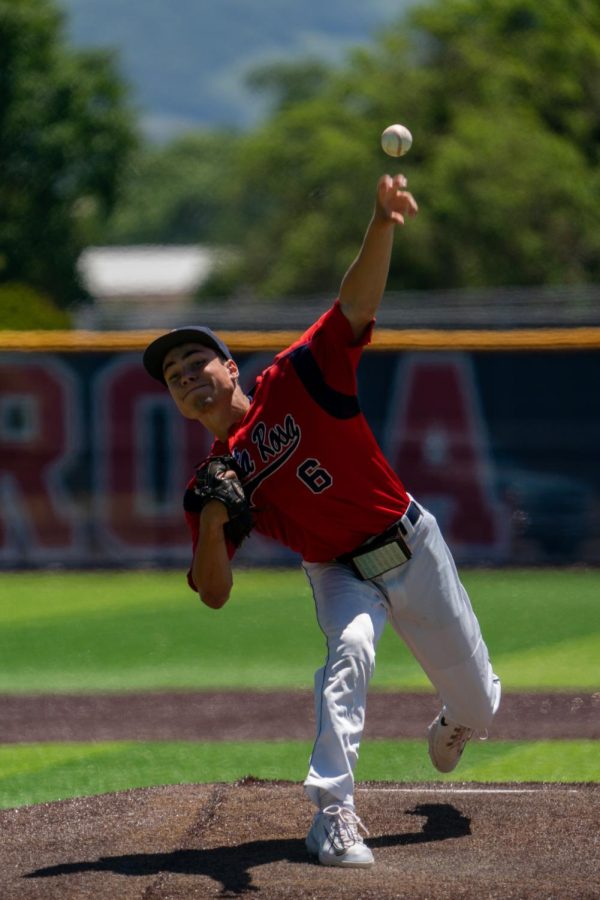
147	631
38	773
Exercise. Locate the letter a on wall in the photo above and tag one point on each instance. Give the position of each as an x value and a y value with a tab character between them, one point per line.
437	443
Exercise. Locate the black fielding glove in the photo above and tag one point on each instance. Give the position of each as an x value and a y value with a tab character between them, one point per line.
211	484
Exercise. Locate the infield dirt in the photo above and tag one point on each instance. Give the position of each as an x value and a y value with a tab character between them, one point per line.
232	840
267	715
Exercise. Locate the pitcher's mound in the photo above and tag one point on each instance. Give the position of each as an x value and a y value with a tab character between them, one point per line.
231	840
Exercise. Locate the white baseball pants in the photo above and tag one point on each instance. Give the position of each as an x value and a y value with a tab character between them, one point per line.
429	608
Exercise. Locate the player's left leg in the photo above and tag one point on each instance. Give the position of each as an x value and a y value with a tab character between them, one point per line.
431	610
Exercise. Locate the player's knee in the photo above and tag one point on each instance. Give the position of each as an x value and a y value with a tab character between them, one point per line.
357	643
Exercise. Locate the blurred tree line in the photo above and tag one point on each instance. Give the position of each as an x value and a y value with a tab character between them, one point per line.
502	97
65	138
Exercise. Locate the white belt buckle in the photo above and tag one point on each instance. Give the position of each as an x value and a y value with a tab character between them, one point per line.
382	559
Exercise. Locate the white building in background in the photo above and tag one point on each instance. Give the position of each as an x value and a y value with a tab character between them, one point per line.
142	286
154	286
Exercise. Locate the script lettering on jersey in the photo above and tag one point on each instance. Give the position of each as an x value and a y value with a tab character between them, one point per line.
275	446
272	441
244	461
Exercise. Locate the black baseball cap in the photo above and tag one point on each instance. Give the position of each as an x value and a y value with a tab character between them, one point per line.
155	352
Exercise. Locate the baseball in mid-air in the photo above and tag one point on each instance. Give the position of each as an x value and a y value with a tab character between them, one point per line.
396	140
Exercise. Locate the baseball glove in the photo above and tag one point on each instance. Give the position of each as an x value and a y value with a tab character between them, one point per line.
211	484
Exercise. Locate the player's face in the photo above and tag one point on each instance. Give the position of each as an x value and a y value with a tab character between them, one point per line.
198	379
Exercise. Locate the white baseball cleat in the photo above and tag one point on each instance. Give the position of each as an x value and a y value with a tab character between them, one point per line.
446	742
335	838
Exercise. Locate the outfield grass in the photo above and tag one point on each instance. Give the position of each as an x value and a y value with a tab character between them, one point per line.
39	773
147	631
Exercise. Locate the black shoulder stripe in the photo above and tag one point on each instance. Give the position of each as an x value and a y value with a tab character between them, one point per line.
338	405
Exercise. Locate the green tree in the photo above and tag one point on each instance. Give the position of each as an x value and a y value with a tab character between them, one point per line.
304	182
174	194
65	134
289	83
22	308
503	98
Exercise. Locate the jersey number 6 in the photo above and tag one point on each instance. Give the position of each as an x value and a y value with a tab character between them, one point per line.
314	476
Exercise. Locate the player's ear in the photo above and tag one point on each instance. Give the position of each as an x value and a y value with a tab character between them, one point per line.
231	366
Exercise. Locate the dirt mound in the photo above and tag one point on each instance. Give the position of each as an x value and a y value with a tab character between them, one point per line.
222	840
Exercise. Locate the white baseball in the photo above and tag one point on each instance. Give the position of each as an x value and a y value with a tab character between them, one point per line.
396	140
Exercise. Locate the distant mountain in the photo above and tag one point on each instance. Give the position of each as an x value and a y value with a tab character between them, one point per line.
186	59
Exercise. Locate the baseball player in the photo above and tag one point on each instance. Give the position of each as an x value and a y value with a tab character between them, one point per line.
297	461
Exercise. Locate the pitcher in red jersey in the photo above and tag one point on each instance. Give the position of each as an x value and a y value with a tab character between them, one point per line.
319	483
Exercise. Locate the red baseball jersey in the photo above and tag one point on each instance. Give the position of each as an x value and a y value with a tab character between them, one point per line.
311	467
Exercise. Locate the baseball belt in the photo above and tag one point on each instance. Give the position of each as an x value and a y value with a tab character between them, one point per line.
385	551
